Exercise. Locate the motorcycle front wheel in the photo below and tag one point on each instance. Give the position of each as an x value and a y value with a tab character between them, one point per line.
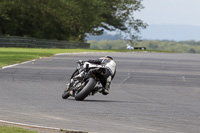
84	92
66	94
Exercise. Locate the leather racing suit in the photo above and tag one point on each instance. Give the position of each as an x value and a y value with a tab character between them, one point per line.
110	66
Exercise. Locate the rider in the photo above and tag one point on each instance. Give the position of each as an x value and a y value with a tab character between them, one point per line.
110	66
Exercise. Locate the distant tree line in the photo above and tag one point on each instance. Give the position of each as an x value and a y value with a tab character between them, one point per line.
68	19
182	46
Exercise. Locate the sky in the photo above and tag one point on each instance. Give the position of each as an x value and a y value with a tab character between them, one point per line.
182	12
177	20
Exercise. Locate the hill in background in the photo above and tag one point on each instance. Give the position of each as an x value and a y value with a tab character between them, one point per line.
160	32
105	36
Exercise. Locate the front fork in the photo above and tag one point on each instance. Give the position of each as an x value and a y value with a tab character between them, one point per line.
75	86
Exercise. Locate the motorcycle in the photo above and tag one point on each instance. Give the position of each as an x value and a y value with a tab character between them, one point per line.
87	84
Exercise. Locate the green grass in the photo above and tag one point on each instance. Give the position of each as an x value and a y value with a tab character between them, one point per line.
5	129
10	56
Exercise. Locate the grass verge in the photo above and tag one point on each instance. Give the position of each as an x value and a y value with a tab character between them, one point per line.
10	56
5	129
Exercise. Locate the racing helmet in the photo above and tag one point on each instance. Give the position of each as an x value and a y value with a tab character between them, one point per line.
109	57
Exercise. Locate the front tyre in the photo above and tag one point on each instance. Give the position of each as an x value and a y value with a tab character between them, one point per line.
82	94
66	94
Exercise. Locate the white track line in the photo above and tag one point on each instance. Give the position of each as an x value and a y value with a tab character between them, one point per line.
41	127
9	66
27	125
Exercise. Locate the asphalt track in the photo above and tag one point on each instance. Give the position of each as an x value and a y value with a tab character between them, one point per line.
151	93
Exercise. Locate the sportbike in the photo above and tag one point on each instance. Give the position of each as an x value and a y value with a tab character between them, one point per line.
87	84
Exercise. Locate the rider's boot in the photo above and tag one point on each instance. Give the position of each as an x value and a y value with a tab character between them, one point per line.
105	91
101	89
107	86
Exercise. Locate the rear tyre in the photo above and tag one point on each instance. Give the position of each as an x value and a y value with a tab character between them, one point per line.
82	94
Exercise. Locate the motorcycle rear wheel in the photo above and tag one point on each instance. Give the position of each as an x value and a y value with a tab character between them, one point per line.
83	93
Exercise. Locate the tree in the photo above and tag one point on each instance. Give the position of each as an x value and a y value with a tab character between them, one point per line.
68	19
121	17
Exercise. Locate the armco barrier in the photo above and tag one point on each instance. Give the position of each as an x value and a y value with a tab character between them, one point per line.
16	41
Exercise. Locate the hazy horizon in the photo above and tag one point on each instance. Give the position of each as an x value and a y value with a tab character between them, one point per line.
160	32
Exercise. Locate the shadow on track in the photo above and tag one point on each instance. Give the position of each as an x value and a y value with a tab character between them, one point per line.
106	101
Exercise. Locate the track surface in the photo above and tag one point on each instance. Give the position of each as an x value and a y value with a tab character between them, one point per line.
151	93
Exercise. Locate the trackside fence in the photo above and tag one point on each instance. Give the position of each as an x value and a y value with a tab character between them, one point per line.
27	42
